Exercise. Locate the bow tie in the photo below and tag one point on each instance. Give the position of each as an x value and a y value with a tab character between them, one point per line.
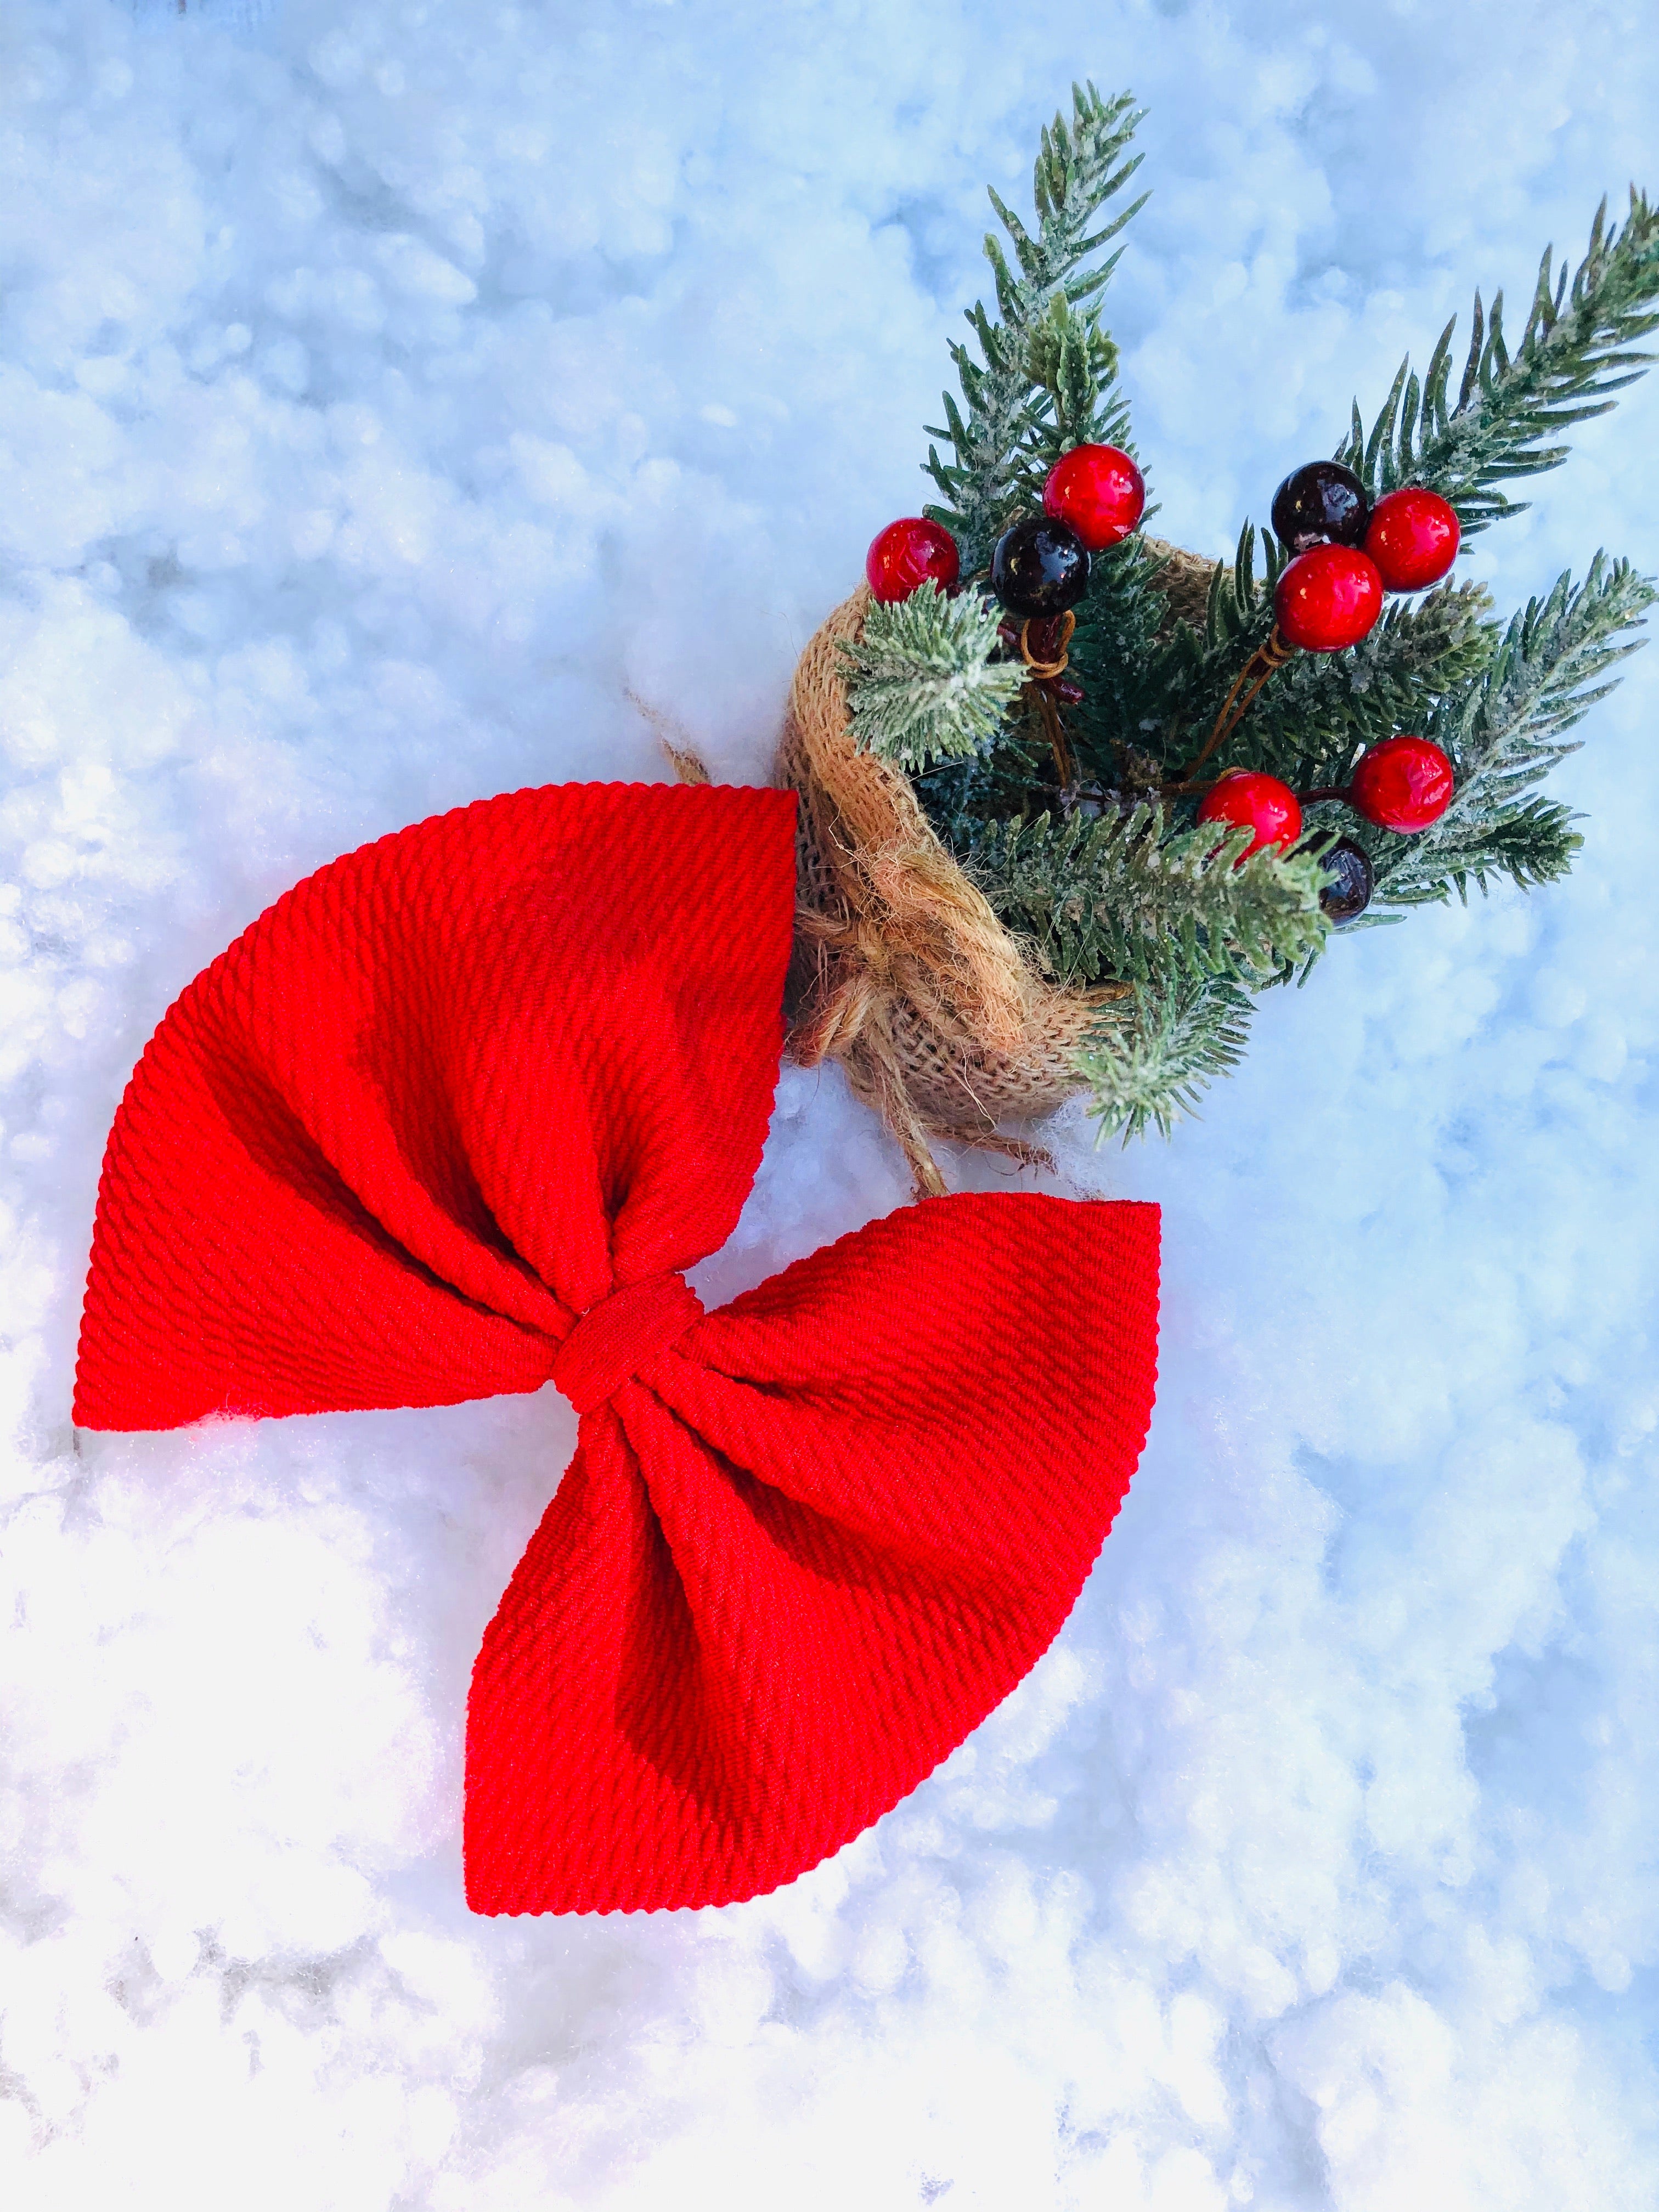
452	1118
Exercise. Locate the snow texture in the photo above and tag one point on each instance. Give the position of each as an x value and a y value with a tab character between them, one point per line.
392	396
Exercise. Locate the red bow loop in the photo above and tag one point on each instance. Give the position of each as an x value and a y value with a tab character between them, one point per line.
623	1335
452	1118
777	1589
447	1094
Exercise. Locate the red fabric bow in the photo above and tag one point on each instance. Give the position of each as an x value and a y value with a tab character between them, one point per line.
450	1119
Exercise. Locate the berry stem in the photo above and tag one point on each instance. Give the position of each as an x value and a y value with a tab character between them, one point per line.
1064	626
1054	730
1263	663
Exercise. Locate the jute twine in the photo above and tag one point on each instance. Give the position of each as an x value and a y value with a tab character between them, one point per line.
902	971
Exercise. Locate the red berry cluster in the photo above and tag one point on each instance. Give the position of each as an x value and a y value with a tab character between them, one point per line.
908	554
1093	498
1347	552
1246	799
1097	491
1403	784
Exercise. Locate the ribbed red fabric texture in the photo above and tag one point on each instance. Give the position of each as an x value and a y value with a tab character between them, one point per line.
450	1119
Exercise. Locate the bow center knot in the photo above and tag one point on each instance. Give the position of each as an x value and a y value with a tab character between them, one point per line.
617	1338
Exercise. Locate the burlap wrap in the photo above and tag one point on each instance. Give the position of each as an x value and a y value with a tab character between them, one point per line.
902	971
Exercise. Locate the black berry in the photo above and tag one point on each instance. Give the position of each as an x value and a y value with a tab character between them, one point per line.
1040	568
1349	882
1322	499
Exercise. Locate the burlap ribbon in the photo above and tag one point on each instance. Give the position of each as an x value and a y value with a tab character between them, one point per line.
902	971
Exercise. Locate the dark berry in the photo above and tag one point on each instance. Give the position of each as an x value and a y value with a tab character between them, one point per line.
1040	568
1322	499
1349	881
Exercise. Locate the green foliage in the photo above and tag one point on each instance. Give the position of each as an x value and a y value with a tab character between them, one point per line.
1503	732
1573	352
1046	373
1168	693
1240	611
1127	668
921	682
1159	1051
1529	844
1122	895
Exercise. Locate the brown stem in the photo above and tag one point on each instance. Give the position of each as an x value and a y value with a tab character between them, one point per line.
1064	625
1263	663
1054	730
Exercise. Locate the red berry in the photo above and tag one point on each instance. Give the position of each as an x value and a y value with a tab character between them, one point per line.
1414	537
905	554
1256	802
1099	491
1329	597
1404	783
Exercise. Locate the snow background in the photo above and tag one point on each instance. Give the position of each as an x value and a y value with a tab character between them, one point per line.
385	391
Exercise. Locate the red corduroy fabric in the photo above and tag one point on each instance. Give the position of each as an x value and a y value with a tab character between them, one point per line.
450	1119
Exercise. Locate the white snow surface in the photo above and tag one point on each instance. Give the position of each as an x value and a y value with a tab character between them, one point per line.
389	391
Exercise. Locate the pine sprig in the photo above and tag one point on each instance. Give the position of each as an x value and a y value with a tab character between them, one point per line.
1504	734
922	683
1156	1052
1121	896
1046	372
1529	845
1575	351
1240	607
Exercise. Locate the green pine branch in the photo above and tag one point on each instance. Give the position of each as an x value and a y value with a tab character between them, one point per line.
1575	351
1527	845
1046	372
1240	609
1122	895
1504	733
922	683
1156	1052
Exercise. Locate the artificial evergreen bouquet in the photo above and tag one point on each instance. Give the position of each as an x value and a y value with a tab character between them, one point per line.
1072	796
